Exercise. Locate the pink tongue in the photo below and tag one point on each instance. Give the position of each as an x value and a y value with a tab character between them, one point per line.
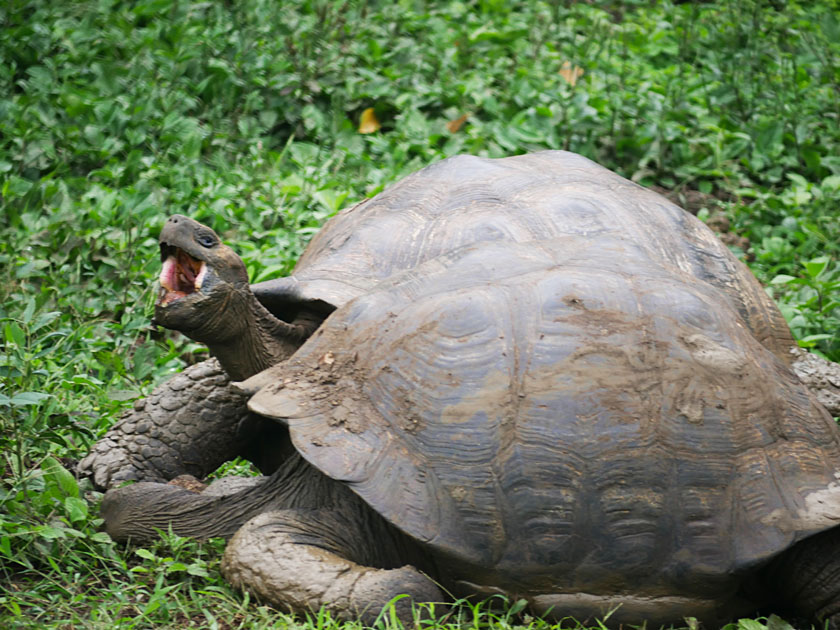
168	278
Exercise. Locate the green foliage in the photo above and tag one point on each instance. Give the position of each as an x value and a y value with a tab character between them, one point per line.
770	623
794	234
114	115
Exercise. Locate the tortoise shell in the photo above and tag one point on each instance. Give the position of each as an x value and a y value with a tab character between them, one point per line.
559	382
466	199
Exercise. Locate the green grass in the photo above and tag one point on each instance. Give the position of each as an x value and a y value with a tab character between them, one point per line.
244	115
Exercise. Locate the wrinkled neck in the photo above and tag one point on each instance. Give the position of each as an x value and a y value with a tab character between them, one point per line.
246	338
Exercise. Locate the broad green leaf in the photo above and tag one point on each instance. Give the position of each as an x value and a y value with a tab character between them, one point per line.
59	476
332	200
198	570
43	319
101	537
797	179
145	554
16	186
814	338
51	533
14	333
28	311
832	182
816	266
28	398
518	606
77	509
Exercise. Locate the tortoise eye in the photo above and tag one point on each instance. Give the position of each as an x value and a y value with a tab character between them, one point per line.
206	240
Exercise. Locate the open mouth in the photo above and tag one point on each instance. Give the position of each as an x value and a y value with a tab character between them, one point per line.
181	274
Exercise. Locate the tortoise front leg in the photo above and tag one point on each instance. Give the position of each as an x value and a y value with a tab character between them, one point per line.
303	560
190	424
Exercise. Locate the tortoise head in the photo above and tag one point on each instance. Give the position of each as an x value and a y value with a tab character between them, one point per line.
203	283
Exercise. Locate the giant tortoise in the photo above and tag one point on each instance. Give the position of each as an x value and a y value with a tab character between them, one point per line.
527	376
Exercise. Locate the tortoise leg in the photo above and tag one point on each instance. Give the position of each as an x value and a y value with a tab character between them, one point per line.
303	560
188	425
806	578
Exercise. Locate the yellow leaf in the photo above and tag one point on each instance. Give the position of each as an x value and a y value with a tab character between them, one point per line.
455	125
368	123
570	73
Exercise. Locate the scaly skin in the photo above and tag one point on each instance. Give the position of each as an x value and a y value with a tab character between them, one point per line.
197	421
300	540
188	425
299	559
